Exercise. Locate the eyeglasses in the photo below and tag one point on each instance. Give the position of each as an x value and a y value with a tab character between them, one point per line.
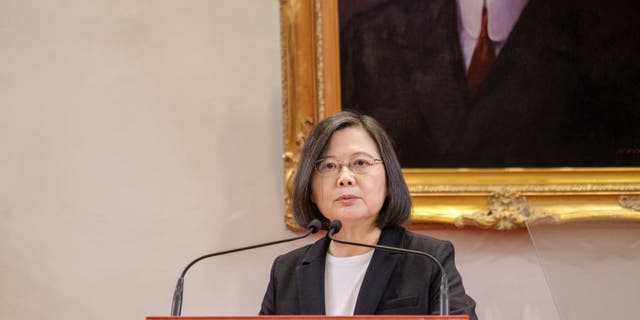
359	164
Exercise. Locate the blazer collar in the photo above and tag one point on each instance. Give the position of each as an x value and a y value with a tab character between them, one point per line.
379	271
310	278
310	275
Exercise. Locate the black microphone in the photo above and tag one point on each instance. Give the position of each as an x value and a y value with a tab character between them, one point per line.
336	225
176	304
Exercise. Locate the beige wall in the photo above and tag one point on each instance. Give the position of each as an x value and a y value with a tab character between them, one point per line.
137	135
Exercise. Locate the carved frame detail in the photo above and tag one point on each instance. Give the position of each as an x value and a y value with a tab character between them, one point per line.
502	199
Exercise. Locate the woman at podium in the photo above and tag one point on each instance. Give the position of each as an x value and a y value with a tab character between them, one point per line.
349	171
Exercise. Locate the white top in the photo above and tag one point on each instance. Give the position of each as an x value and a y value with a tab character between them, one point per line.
502	16
342	280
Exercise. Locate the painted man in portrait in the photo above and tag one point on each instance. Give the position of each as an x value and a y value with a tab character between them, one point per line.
498	83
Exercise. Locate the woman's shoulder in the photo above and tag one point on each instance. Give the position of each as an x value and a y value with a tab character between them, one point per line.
421	242
295	254
421	237
305	253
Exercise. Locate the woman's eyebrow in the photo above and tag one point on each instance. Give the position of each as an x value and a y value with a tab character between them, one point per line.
359	153
353	155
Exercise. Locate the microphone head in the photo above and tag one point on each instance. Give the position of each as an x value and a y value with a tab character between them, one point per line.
335	226
314	226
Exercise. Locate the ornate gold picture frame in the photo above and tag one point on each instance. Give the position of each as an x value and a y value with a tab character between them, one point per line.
486	198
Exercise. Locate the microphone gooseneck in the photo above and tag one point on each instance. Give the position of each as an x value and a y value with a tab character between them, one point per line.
176	304
336	225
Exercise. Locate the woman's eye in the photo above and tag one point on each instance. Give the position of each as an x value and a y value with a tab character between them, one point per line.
330	165
359	163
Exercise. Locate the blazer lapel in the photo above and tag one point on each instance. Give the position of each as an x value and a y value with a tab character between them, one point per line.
379	272
310	279
440	75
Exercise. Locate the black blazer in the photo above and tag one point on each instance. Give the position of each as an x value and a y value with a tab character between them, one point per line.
393	284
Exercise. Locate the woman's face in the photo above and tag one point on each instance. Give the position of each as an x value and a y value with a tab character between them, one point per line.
352	197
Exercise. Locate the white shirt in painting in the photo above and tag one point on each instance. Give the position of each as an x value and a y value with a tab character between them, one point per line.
502	17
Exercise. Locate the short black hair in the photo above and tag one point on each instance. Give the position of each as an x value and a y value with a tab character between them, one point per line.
397	205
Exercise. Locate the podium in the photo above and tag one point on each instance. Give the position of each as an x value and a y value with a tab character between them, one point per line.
313	317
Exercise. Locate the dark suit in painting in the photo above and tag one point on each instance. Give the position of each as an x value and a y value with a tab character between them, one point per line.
394	283
564	90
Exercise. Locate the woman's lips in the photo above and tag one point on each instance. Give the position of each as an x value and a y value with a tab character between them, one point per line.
347	199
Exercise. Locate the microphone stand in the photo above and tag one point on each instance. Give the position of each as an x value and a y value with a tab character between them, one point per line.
336	225
176	304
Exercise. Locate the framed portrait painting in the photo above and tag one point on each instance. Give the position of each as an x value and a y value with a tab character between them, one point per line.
549	133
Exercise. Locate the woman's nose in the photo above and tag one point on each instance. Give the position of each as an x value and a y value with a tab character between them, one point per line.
346	177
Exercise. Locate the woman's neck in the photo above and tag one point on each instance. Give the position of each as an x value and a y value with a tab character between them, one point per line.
358	233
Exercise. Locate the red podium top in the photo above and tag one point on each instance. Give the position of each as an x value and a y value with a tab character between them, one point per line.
314	317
